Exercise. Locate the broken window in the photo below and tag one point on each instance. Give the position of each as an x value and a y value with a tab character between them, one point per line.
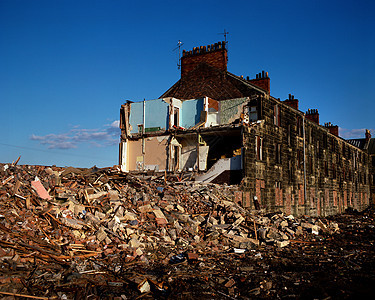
259	147
276	115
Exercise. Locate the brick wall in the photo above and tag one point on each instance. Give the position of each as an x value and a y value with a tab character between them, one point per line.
214	55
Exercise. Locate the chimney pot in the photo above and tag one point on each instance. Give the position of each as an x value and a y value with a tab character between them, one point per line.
368	135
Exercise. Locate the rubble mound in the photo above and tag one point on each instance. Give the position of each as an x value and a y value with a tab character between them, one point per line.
70	233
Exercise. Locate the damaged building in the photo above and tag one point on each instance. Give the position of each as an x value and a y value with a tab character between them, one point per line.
229	129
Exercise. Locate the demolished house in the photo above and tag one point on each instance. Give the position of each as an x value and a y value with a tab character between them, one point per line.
229	129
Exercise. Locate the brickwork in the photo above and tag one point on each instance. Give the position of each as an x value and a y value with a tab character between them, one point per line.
333	168
262	80
214	55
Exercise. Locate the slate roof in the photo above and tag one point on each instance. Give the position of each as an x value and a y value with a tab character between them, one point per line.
361	144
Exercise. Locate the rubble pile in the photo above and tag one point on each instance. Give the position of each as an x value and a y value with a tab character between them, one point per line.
68	233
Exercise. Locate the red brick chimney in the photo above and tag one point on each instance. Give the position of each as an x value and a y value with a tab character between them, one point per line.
313	115
262	80
291	101
214	55
334	129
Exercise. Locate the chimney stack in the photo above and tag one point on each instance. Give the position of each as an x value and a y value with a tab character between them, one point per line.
313	115
334	129
292	102
214	55
262	80
368	135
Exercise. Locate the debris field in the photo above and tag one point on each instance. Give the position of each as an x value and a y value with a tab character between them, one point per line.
69	233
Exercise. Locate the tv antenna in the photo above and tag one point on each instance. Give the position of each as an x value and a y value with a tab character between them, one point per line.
179	44
225	33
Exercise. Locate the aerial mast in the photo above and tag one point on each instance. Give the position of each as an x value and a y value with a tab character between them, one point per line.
179	44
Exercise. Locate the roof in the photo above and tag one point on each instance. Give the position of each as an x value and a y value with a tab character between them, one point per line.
363	145
359	143
206	80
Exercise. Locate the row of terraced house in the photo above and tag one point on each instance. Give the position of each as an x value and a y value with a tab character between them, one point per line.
229	129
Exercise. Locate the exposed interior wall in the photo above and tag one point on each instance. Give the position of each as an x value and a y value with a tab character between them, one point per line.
156	115
174	112
154	156
202	157
188	159
123	147
191	112
230	110
212	108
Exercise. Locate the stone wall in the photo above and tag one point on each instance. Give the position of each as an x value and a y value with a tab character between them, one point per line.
337	173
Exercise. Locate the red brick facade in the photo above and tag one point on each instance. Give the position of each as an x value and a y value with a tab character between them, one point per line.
214	55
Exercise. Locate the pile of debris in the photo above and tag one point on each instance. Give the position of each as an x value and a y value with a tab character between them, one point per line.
71	233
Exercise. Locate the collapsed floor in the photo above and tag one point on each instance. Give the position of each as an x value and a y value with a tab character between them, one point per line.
97	233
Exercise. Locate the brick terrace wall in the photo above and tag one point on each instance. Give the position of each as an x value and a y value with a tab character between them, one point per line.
337	173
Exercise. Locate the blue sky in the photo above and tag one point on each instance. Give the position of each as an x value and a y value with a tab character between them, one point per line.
67	66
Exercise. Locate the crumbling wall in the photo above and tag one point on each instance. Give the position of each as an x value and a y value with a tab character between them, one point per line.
230	110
